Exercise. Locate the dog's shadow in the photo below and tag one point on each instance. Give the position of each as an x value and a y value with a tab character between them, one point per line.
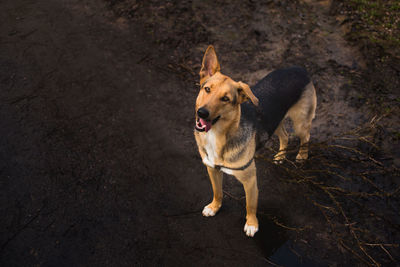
270	237
275	244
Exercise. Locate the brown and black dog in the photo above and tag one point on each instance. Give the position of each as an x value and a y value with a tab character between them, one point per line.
228	126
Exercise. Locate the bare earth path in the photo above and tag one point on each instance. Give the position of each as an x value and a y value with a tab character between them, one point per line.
98	165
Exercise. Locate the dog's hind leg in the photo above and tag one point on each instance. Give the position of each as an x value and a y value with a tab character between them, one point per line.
303	132
283	142
302	114
216	182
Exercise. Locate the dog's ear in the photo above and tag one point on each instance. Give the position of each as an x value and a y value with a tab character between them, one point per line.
210	64
245	93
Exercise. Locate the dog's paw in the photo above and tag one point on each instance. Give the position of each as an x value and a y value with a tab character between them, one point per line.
250	230
300	158
278	158
208	211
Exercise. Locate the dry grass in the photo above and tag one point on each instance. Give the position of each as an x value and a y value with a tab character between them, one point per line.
356	189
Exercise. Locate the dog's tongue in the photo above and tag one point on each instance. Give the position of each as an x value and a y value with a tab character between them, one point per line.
207	124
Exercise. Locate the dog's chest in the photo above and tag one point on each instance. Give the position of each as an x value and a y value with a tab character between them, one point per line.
211	156
210	147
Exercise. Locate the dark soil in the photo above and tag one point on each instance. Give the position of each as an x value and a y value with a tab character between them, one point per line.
99	166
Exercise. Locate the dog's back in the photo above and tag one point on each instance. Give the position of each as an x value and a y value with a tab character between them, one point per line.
277	93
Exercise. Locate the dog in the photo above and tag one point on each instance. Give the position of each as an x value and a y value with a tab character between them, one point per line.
230	116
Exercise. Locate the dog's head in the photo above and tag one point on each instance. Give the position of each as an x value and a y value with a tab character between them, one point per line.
220	97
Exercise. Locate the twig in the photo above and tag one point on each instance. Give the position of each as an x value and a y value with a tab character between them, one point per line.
358	152
299	229
183	214
232	196
387	252
272	263
20	230
381	244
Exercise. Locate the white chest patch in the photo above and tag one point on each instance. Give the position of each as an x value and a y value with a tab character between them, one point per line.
210	148
227	171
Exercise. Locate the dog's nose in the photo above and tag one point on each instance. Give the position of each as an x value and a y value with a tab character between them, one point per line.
203	113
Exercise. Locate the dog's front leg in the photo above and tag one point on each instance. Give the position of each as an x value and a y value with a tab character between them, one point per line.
249	180
216	182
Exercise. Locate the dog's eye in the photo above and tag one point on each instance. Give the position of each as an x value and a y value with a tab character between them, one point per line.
207	89
225	99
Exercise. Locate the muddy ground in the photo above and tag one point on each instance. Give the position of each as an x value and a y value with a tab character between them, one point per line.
98	162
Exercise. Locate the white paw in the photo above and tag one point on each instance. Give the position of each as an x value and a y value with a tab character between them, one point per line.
207	211
278	161
250	230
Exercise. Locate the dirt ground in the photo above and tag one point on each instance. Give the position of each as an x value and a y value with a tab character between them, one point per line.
98	161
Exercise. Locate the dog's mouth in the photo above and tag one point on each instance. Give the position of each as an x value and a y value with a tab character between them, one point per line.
205	125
